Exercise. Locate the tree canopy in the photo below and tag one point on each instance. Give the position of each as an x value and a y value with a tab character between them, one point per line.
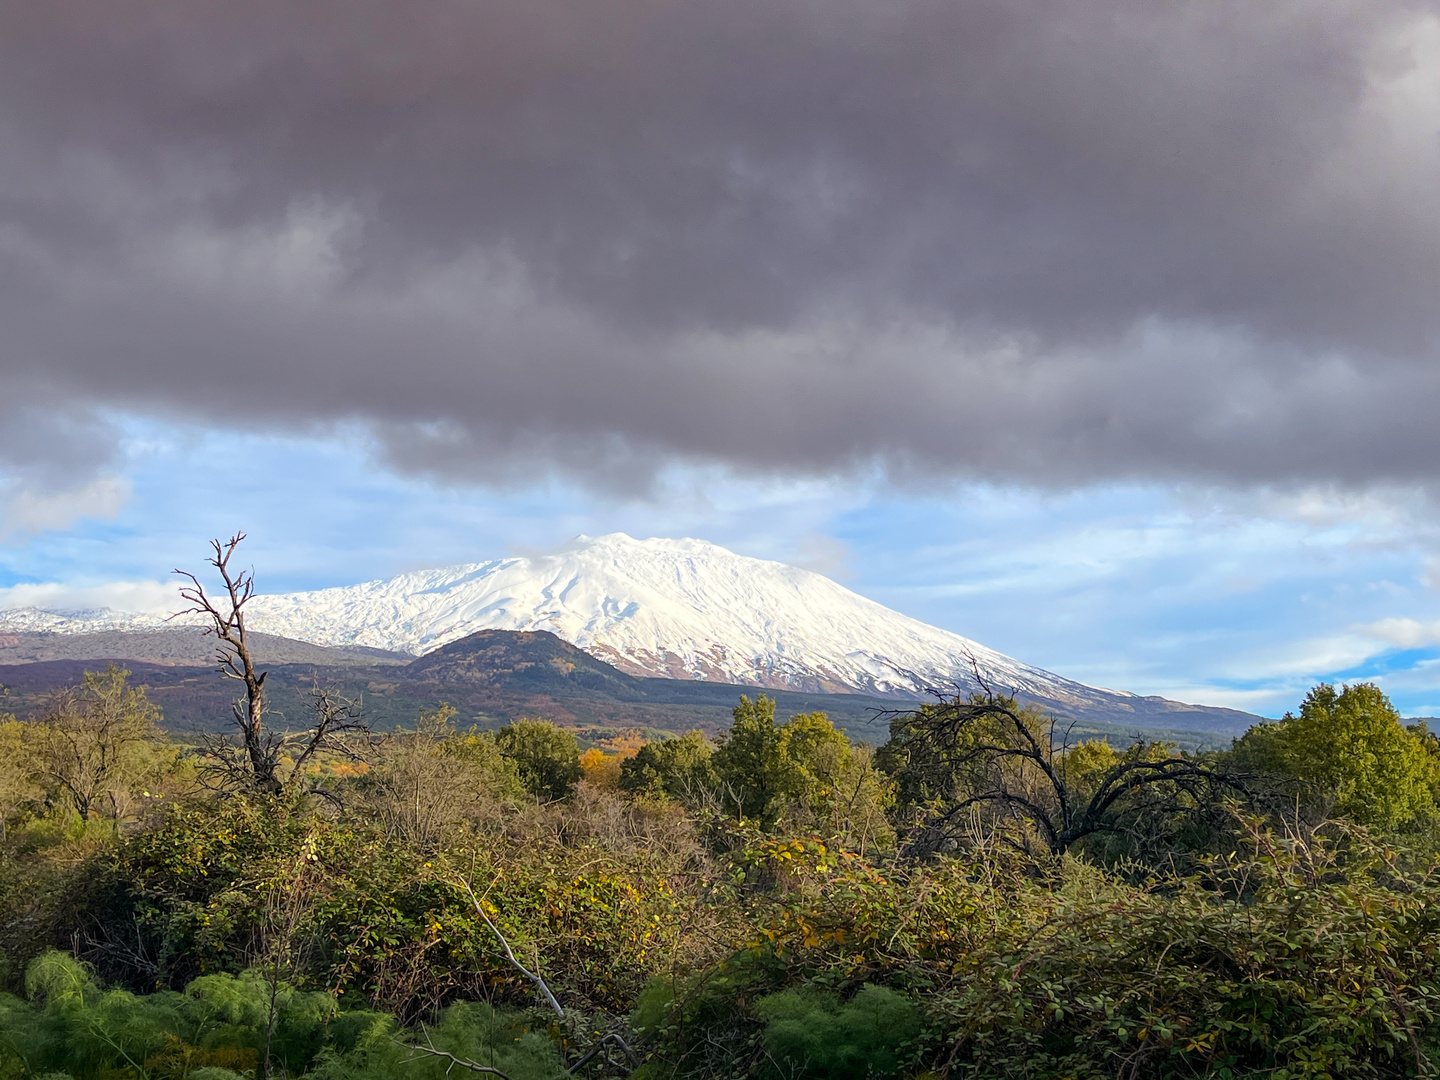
680	768
1348	752
802	774
547	757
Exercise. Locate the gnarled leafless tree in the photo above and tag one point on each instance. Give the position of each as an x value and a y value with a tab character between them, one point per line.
985	754
261	759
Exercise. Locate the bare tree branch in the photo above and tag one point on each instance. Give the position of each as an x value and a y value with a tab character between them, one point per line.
335	718
227	623
611	1039
509	953
603	1046
429	1048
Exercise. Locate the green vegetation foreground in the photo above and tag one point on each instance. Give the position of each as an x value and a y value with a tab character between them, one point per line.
977	898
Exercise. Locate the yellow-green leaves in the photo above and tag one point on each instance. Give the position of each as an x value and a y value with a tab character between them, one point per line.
1351	756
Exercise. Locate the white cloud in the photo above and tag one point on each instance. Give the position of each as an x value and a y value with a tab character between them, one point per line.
1263	701
1318	657
1403	633
25	511
1310	658
154	597
824	555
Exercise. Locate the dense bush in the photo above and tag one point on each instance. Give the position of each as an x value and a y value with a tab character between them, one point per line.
600	891
810	1032
679	768
1311	956
802	775
738	910
426	783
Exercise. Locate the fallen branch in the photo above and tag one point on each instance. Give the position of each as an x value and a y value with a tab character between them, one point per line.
613	1039
604	1044
429	1048
509	953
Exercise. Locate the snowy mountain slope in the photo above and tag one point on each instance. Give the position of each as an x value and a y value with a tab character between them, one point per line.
670	608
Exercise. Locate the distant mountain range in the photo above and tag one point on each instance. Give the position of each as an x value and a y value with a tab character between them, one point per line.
671	609
490	677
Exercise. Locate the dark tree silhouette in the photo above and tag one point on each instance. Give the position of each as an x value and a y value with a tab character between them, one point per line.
260	758
985	754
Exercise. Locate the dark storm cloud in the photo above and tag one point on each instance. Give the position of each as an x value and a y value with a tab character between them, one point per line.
1013	239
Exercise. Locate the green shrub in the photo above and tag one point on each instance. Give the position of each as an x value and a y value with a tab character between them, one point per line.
1294	956
1350	755
217	1030
507	1042
811	1033
679	768
802	775
75	1025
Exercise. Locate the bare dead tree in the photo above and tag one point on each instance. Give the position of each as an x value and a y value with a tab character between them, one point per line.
986	752
232	652
258	760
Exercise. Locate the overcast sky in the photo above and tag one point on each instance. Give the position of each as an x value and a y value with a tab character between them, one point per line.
1105	332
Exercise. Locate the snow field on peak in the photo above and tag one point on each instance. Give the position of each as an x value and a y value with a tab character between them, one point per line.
669	608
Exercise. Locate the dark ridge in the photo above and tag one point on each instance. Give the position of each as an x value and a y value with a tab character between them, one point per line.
522	660
179	645
494	676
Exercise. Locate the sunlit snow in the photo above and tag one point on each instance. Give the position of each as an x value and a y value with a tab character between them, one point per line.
672	608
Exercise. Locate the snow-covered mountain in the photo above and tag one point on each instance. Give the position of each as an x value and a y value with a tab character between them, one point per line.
671	608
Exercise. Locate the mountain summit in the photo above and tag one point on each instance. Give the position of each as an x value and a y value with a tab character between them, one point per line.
680	609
